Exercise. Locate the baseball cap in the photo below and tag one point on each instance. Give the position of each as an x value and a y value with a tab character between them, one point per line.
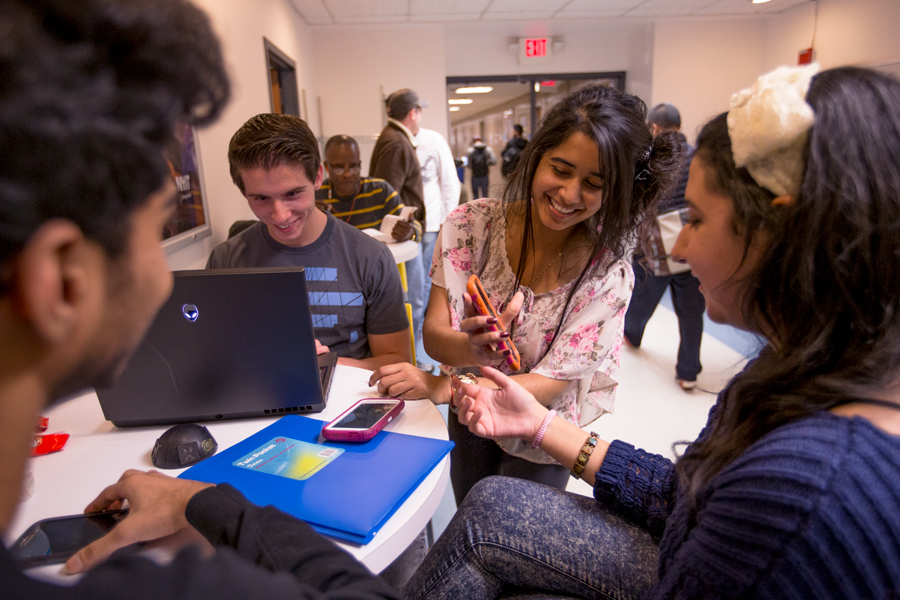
402	101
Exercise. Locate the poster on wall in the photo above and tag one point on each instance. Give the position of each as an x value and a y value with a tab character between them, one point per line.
190	221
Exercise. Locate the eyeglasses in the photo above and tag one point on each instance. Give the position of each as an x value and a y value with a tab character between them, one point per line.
340	169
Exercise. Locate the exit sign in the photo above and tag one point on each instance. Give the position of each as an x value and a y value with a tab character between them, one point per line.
535	51
535	47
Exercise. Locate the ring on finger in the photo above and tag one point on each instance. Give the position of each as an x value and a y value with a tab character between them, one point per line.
463	378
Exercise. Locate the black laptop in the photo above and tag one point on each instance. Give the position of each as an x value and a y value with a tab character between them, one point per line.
228	344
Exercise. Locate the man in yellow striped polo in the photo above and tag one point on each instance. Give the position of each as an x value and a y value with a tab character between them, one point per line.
360	201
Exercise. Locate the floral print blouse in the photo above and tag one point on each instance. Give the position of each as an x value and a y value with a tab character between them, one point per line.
585	352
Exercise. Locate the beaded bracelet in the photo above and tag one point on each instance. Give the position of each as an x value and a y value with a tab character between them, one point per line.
584	455
540	434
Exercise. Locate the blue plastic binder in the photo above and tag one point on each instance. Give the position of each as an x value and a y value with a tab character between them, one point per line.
350	497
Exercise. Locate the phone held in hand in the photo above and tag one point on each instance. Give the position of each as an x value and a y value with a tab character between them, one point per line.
362	421
484	307
51	541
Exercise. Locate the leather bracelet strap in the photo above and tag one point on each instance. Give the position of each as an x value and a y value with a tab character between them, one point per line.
585	455
540	434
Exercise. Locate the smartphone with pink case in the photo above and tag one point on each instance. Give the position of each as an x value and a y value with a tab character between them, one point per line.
363	420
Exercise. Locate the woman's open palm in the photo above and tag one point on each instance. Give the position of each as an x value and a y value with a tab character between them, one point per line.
510	411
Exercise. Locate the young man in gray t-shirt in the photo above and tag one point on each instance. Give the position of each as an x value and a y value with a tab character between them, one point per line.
354	286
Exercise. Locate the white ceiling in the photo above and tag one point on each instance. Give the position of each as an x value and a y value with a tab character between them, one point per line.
349	12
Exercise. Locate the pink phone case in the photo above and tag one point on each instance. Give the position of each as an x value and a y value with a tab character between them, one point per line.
361	435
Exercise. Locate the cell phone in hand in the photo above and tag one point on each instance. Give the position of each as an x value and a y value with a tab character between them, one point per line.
362	421
484	307
51	541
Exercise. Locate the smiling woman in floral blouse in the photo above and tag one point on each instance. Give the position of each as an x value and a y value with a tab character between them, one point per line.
550	257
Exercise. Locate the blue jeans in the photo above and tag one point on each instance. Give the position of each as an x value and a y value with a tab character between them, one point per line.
514	537
479	187
415	283
429	240
689	305
475	458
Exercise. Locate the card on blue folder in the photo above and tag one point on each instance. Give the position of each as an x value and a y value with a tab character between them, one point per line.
345	490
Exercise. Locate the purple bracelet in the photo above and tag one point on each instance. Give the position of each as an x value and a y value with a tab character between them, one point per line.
540	434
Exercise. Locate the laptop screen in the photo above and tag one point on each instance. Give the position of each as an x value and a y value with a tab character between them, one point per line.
228	343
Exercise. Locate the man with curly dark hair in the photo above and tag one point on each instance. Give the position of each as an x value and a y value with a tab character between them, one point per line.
90	94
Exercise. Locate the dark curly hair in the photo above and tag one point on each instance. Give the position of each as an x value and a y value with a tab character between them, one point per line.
825	289
268	140
91	92
637	170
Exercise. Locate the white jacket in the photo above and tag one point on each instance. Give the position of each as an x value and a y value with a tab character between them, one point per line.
439	178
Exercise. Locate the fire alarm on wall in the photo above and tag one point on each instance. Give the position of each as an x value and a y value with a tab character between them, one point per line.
804	57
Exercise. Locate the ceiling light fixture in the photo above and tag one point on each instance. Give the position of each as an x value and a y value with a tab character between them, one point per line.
474	90
459	101
453	108
759	1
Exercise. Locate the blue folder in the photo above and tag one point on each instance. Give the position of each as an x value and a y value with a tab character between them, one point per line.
350	497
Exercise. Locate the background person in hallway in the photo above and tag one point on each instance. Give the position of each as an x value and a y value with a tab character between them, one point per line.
359	201
94	92
394	160
553	267
354	287
513	151
442	187
652	274
480	159
792	490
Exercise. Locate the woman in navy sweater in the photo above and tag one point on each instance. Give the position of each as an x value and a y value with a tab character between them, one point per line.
792	489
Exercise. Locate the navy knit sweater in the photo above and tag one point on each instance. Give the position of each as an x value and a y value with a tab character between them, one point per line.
812	510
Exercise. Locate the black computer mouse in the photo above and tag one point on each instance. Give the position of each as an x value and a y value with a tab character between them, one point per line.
182	446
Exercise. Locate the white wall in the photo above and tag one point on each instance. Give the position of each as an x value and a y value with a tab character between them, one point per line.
241	26
639	65
847	32
857	32
357	67
697	65
786	35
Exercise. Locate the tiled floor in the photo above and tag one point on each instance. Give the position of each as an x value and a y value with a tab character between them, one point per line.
652	412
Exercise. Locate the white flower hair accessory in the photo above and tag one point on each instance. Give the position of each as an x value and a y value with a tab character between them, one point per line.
768	124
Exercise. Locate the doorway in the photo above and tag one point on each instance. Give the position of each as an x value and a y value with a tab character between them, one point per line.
282	81
488	106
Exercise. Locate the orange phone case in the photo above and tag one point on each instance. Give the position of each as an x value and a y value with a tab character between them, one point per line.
484	308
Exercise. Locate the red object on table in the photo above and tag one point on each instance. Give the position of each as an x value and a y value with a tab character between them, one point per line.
47	444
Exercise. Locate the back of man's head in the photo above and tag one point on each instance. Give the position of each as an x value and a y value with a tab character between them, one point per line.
91	94
518	129
401	102
665	116
269	140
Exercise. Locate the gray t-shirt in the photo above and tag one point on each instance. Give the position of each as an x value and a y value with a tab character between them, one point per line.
354	286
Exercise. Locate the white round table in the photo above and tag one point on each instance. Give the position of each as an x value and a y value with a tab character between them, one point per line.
98	452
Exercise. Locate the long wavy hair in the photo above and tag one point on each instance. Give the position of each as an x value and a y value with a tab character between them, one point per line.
826	288
637	170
